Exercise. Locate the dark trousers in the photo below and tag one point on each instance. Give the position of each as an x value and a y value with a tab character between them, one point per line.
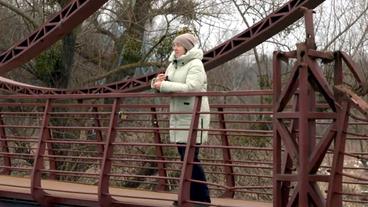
198	191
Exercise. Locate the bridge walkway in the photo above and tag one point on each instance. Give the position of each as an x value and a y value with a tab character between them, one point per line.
19	187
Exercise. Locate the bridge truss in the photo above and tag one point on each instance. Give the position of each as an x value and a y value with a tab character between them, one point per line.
298	150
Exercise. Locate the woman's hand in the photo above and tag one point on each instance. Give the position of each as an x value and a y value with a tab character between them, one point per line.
157	84
160	77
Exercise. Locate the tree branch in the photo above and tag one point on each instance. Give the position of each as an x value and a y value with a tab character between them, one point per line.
125	67
256	55
102	30
346	29
360	42
20	13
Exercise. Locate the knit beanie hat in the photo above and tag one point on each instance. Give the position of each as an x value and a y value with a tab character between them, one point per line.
186	40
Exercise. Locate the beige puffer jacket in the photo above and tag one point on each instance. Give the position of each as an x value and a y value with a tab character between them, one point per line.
186	74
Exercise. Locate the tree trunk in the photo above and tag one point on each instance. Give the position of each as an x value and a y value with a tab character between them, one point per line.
67	59
129	47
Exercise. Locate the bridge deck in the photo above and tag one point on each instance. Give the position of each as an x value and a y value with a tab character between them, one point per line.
71	193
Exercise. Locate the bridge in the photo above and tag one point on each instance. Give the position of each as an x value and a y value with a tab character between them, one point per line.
94	147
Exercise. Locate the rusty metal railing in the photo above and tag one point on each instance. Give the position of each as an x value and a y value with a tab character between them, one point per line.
120	141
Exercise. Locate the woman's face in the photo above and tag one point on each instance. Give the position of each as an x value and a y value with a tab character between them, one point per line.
178	49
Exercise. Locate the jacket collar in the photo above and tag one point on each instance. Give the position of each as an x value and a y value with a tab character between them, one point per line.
194	53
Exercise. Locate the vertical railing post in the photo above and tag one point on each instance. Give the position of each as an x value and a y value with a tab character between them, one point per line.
338	71
52	162
159	152
104	197
97	124
4	149
36	189
276	141
187	168
226	154
304	136
334	197
287	158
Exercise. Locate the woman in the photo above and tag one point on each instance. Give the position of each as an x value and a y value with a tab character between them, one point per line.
186	74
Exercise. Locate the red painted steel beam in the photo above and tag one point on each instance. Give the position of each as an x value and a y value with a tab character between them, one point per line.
162	184
187	167
226	154
334	198
38	165
321	149
52	161
276	140
306	79
357	73
74	13
104	198
4	147
304	136
358	102
130	85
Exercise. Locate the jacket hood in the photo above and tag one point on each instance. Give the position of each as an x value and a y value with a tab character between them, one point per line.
194	53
